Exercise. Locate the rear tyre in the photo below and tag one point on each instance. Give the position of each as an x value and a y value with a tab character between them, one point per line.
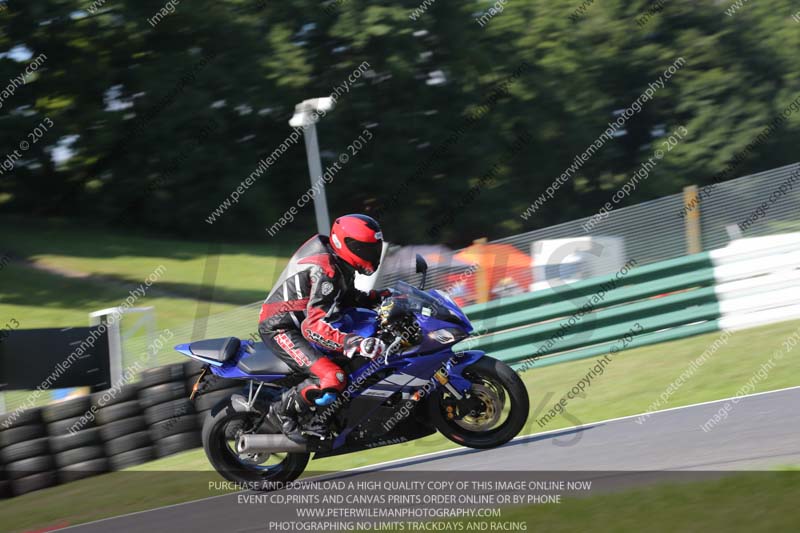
256	471
494	413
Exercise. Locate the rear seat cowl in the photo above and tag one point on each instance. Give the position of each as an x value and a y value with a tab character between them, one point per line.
220	350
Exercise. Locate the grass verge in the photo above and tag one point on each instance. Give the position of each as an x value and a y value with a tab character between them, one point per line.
113	264
629	385
747	503
242	272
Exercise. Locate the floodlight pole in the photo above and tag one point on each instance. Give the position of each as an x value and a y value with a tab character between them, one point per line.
306	115
315	173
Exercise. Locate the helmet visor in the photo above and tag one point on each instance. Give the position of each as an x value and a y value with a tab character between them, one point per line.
368	251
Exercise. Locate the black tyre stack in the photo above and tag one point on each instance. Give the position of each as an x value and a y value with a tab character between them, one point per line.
213	391
79	453
122	427
25	452
5	485
168	412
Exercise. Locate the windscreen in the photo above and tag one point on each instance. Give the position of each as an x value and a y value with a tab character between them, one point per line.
426	304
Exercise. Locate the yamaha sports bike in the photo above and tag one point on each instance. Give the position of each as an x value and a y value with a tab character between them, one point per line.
419	386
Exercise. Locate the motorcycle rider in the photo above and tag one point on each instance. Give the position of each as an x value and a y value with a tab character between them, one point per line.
314	287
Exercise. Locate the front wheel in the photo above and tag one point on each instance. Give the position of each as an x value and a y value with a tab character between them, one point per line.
255	471
492	413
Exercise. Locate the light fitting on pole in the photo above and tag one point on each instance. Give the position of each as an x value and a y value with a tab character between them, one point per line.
307	112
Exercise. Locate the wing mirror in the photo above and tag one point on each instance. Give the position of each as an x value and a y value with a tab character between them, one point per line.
422	268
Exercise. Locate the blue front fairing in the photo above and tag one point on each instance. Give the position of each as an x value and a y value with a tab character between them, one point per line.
360	321
433	310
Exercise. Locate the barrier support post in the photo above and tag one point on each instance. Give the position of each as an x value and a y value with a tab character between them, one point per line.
481	274
694	243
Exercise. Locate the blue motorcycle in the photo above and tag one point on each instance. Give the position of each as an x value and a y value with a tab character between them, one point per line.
418	387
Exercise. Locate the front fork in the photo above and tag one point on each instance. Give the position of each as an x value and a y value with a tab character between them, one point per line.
454	381
451	379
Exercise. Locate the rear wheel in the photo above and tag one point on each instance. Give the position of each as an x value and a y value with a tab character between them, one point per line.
492	413
262	471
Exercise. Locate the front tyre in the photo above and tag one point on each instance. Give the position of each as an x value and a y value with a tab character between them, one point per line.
261	471
492	413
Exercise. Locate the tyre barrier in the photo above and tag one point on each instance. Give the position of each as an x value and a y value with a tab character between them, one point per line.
5	486
170	416
121	426
162	374
169	420
108	430
74	439
28	464
135	457
206	402
214	390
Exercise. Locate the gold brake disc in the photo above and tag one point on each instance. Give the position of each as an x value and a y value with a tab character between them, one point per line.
490	416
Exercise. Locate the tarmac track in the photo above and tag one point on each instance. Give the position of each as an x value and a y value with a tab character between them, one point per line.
761	431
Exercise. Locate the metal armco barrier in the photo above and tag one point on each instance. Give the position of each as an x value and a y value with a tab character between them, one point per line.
748	283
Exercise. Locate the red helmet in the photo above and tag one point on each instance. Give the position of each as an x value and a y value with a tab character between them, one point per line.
357	240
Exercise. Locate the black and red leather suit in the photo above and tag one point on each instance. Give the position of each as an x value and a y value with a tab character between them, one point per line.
310	292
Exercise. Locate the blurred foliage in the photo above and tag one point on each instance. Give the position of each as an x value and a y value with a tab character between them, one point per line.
132	99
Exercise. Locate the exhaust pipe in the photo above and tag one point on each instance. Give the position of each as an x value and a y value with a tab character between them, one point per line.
272	443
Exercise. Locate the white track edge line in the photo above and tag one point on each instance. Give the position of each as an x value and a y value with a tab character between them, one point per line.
440	452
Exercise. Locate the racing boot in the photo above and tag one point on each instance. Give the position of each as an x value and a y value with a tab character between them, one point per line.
284	413
296	412
296	418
